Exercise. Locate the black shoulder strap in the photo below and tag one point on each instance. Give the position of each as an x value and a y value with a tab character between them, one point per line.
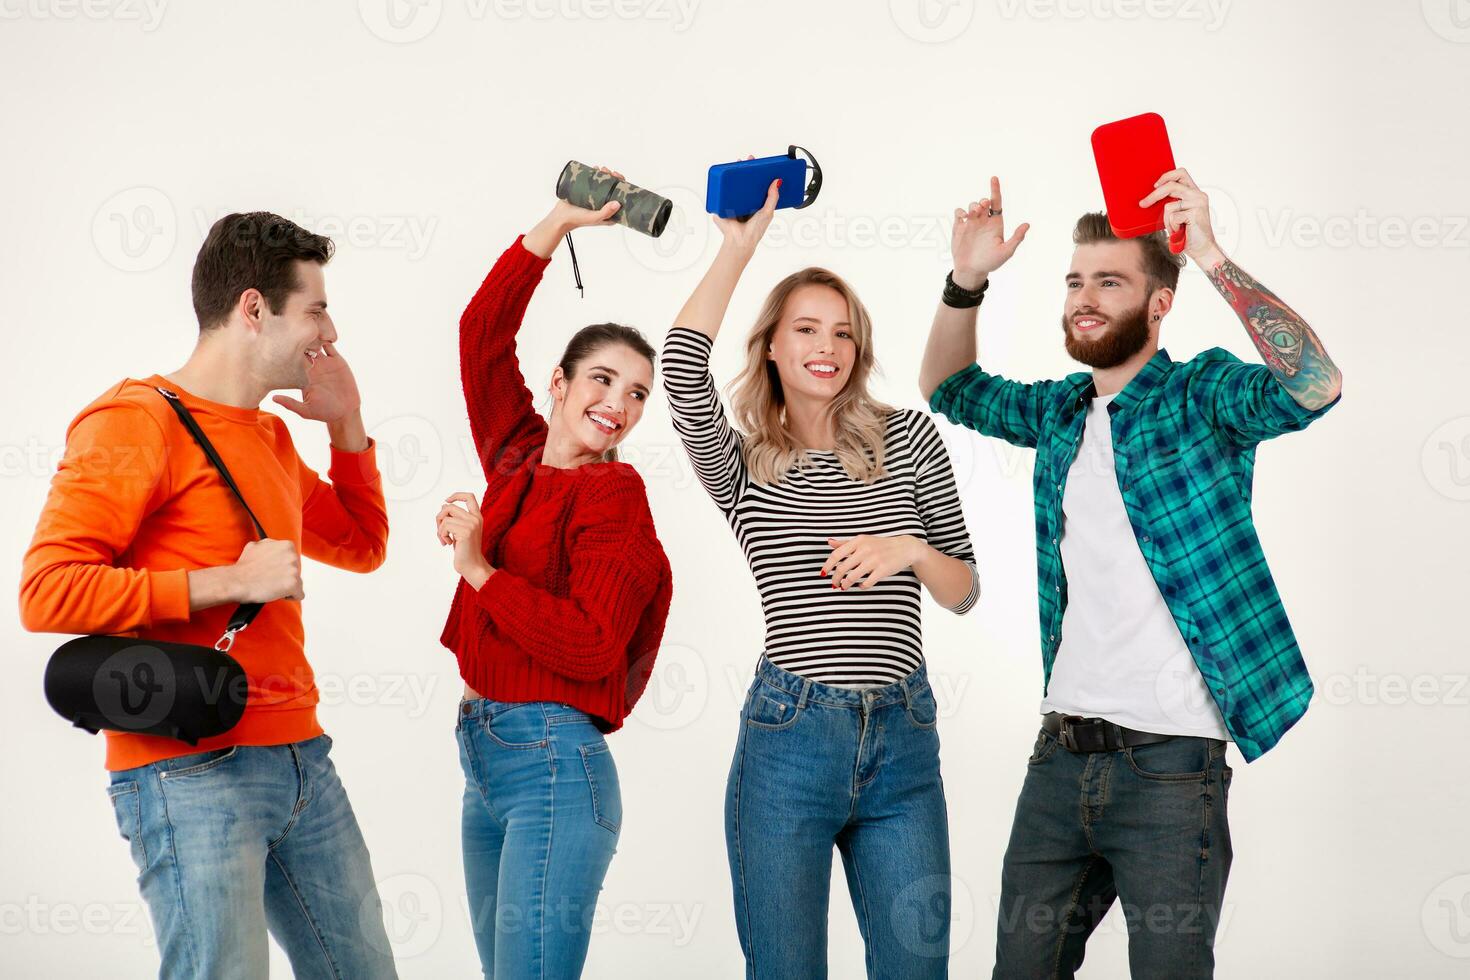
245	614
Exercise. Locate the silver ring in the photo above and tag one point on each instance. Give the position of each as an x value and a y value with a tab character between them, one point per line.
993	211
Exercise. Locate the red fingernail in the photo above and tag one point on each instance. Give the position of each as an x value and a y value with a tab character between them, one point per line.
778	181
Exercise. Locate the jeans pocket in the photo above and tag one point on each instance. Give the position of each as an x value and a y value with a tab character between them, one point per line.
1177	760
771	708
127	809
921	708
196	763
520	727
1046	744
602	780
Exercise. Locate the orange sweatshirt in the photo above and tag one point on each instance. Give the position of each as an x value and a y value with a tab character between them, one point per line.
135	505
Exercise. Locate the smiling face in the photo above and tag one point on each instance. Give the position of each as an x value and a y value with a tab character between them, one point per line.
602	399
1112	310
813	345
292	337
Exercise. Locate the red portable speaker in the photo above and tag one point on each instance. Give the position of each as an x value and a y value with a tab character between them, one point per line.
1131	154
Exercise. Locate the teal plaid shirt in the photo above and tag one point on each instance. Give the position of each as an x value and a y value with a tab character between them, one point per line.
1184	447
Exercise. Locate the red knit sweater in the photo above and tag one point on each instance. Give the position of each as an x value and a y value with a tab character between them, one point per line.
576	607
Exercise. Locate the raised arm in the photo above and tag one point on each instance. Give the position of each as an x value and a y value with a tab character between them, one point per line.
503	419
979	247
1293	354
950	378
712	444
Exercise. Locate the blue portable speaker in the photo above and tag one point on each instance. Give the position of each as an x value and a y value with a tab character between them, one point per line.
738	189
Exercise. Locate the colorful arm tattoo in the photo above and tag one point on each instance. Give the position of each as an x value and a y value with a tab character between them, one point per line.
1289	347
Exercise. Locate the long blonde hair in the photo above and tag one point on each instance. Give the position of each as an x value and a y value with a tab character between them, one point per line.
759	403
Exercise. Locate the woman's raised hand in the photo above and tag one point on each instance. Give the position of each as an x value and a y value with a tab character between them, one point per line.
746	233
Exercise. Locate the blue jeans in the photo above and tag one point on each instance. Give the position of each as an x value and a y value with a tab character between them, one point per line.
1146	825
237	841
542	811
817	766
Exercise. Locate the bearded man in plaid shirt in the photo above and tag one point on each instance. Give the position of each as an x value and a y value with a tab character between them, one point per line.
1162	633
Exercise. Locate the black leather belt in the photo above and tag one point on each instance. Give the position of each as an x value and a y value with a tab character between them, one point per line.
1078	734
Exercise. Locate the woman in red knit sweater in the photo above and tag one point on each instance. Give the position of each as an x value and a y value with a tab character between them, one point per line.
557	617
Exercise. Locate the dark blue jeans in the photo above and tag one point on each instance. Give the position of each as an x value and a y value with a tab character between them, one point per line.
1146	825
818	766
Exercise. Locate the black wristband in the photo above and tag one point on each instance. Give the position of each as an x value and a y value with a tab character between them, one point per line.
961	298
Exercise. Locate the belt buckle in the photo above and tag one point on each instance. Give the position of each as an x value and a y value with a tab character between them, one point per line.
1066	733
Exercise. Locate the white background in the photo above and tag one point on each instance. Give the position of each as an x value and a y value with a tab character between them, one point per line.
1330	136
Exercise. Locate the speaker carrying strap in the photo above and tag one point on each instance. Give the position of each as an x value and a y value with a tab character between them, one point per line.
245	613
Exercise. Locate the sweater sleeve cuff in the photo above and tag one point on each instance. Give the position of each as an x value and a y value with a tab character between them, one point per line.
360	468
168	597
526	258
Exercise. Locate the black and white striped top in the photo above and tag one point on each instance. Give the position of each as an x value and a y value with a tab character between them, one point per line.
853	638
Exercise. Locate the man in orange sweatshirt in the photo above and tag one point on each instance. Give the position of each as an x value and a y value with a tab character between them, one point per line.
249	831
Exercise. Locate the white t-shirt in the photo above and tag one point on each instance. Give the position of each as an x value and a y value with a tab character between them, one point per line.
1121	657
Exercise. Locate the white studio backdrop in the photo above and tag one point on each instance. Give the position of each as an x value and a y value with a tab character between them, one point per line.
423	136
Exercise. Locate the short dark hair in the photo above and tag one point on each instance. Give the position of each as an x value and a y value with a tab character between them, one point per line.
257	250
1159	264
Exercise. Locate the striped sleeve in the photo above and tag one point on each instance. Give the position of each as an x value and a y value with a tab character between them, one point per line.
938	501
713	446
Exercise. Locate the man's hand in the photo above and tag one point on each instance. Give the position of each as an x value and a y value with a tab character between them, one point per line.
331	392
978	243
1189	210
268	570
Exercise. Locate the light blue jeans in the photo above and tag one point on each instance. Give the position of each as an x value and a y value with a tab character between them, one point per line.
542	811
818	766
237	841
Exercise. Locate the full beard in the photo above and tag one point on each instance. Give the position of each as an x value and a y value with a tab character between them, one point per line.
1122	337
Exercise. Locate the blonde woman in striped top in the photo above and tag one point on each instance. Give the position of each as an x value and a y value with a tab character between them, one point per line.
844	508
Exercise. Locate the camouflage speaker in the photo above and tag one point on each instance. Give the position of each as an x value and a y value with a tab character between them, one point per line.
590	188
